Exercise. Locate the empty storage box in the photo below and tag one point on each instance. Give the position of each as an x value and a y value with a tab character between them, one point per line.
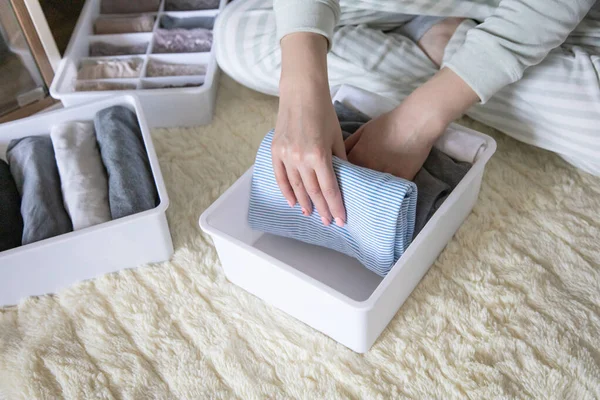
170	98
327	290
52	264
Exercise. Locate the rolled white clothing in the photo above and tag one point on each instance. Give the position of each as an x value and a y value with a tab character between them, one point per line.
83	178
459	145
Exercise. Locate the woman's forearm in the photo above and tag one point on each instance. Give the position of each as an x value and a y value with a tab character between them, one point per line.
303	63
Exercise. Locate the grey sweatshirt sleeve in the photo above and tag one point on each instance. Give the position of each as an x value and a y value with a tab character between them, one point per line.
518	35
318	16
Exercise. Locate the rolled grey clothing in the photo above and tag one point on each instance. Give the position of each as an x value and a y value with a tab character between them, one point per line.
168	22
129	24
11	222
101	49
182	40
106	69
159	68
188	5
128	6
82	175
131	187
350	120
431	193
33	167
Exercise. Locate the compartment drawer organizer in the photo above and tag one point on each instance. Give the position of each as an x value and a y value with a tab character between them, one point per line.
327	290
52	264
170	98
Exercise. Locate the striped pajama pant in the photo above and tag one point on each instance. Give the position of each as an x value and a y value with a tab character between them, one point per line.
555	106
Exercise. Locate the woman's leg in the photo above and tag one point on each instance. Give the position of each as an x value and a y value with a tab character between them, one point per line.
388	64
556	106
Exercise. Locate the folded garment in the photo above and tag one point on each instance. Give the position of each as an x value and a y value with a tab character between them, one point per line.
173	86
461	145
127	7
131	187
82	175
439	175
11	222
130	24
102	86
106	69
182	40
33	166
101	49
168	22
159	68
187	5
380	212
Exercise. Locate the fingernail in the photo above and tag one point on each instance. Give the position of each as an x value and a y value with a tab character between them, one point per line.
339	222
325	221
305	212
291	204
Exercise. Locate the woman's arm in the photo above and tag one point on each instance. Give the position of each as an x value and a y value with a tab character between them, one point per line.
518	35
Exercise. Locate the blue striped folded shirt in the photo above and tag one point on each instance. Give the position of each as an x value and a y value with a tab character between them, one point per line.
380	212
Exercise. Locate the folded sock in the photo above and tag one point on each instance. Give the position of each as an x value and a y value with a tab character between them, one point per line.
101	86
11	222
101	49
159	68
168	22
186	5
82	176
128	6
131	187
380	212
182	40
106	69
34	170
129	24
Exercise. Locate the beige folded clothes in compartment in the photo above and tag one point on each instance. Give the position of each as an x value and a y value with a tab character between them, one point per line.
102	86
159	68
107	69
129	24
128	6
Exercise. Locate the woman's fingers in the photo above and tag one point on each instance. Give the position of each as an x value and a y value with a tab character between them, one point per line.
311	183
299	190
283	182
353	139
330	191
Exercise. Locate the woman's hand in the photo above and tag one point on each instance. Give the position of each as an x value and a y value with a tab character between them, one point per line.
399	141
307	132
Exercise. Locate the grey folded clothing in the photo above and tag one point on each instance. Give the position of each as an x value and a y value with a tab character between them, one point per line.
187	5
435	181
131	187
168	22
106	69
100	49
182	40
32	164
171	86
129	24
102	86
11	222
159	68
128	6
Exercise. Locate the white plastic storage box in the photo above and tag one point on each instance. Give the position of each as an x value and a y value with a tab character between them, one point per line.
327	290
165	107
52	264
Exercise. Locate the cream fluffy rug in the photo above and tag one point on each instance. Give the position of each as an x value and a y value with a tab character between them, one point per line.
511	309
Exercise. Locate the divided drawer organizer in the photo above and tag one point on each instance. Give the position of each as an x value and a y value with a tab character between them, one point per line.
325	289
169	101
53	264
